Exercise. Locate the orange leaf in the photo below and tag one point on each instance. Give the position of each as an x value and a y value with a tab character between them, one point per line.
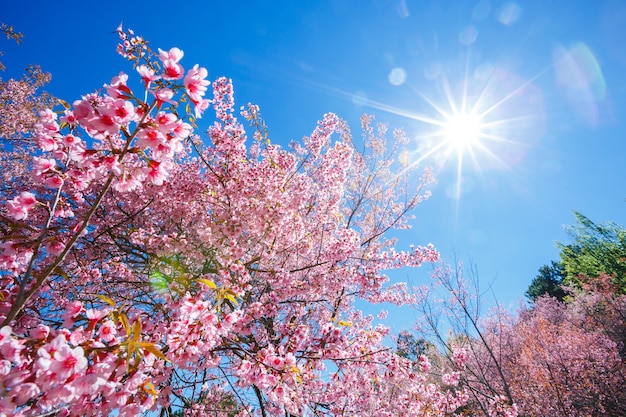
208	283
150	347
106	299
124	320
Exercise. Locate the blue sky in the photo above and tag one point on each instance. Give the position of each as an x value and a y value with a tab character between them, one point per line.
548	76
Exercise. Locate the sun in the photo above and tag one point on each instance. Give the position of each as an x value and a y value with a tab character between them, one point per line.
462	131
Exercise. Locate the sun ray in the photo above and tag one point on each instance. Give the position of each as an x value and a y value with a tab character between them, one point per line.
404	113
510	95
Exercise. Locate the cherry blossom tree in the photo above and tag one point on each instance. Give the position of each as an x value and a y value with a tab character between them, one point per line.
558	367
556	358
146	270
451	313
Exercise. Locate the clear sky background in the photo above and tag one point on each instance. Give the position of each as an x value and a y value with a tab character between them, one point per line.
549	78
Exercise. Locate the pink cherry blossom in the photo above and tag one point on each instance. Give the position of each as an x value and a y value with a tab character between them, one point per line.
41	332
42	165
88	383
201	107
54	181
5	367
163	95
126	182
20	206
68	361
172	70
47	143
24	392
166	121
147	74
118	87
73	310
11	350
5	334
157	171
196	83
174	54
150	138
107	331
55	247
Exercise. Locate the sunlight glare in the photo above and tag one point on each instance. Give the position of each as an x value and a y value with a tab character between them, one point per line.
462	130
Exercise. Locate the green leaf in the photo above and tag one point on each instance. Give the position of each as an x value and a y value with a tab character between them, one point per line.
159	281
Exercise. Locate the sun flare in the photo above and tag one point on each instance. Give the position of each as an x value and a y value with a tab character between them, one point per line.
487	119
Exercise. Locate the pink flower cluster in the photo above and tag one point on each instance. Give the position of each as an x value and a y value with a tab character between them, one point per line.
500	407
53	369
135	145
19	207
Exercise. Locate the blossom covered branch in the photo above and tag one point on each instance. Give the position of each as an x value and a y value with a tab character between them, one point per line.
142	269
